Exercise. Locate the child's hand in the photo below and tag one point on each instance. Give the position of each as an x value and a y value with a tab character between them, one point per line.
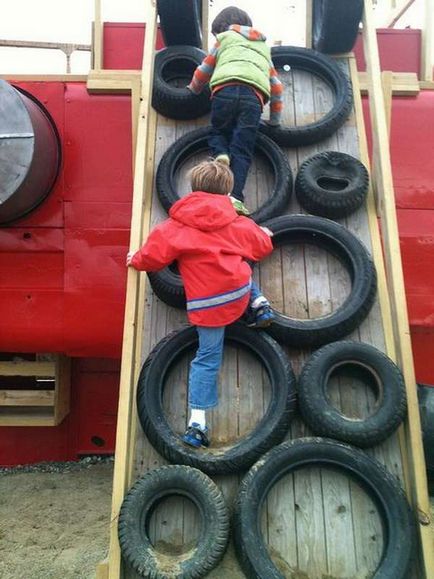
129	258
267	231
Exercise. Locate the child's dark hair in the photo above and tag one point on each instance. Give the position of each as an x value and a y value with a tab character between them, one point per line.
227	17
212	177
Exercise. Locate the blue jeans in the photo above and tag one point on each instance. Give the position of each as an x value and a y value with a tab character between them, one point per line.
204	369
235	115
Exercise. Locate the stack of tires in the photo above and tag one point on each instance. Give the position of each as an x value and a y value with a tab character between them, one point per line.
329	185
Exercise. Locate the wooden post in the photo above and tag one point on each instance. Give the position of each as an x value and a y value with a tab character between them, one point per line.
427	43
417	473
97	62
205	24
309	16
142	192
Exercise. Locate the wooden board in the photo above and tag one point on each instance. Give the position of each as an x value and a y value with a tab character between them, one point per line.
316	522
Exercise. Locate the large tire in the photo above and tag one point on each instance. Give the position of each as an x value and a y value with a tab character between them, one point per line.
326	420
196	142
245	451
426	406
137	508
334	238
180	22
327	69
335	24
178	63
398	521
331	184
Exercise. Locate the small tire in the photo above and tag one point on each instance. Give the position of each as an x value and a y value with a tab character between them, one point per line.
179	103
327	69
239	455
335	25
326	420
340	242
139	502
196	142
331	184
180	22
398	521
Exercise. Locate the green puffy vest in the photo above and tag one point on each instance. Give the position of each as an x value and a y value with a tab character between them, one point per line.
244	60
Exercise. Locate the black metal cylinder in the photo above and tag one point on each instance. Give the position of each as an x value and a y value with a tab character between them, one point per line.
29	153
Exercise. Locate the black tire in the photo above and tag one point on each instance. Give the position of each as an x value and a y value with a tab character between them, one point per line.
178	63
327	69
331	184
326	420
180	22
345	246
335	25
137	507
196	142
426	407
398	521
245	451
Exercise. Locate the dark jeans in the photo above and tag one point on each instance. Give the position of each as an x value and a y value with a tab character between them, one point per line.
235	116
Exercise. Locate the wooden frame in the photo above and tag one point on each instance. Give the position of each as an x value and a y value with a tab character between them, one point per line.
399	345
36	407
426	73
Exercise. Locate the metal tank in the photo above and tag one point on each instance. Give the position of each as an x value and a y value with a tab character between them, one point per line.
29	153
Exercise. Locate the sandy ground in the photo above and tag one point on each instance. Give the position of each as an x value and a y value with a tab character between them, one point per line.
54	525
54	520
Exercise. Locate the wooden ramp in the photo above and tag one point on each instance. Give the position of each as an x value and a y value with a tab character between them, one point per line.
317	523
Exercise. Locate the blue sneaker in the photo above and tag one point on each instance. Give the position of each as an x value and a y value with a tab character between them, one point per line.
262	317
196	436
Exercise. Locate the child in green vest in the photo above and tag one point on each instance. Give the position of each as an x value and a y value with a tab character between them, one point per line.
242	78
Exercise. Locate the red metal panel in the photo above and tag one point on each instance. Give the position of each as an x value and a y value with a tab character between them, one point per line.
123	45
400	50
423	354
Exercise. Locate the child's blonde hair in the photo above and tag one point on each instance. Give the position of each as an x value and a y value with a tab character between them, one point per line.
212	177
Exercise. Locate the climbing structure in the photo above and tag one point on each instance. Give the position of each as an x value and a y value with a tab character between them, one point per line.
316	522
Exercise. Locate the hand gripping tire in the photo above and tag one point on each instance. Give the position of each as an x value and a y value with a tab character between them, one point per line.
335	24
180	22
136	510
196	142
240	455
178	62
352	253
327	69
326	420
399	535
331	184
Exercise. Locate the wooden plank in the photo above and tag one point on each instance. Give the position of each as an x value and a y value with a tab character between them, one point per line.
45	77
205	25
426	73
102	570
26	397
40	369
419	492
26	417
403	83
309	17
126	432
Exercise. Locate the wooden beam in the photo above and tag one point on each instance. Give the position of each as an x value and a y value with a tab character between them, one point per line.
44	77
35	417
387	83
205	24
102	570
112	81
28	368
397	12
426	72
403	83
97	52
417	473
125	433
62	393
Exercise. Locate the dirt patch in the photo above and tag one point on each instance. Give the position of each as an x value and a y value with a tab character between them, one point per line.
54	520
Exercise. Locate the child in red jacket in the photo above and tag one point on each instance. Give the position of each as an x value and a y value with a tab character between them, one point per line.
211	244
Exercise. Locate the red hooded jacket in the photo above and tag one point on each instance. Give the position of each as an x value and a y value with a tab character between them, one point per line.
210	243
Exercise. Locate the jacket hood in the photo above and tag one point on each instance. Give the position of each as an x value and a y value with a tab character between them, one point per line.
248	32
204	211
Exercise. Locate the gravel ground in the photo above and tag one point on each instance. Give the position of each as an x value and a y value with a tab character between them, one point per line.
54	519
